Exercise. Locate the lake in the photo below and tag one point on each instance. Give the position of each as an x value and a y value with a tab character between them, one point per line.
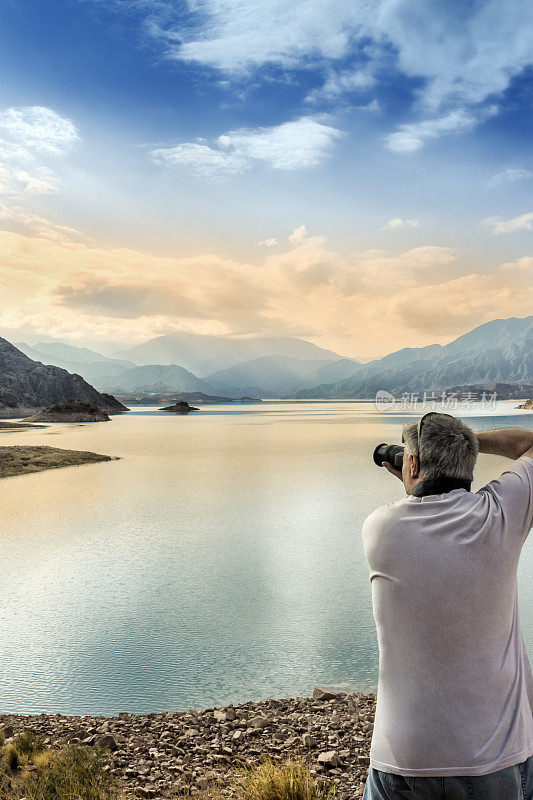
219	560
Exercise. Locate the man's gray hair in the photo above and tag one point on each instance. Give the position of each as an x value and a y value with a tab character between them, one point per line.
448	448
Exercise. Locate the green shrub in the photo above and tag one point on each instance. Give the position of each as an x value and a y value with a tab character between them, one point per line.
290	780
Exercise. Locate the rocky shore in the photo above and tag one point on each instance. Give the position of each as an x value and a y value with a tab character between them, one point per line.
164	755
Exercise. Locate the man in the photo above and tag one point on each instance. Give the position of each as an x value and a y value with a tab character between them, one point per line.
454	718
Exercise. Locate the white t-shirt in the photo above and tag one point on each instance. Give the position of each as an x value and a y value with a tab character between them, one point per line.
455	692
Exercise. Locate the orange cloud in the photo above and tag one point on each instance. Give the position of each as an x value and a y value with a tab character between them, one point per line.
365	303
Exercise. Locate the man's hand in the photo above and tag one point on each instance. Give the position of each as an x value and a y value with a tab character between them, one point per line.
509	442
393	470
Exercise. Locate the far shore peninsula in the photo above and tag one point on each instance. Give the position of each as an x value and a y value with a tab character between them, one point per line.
26	459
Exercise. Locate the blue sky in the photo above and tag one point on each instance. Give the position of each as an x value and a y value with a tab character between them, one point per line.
246	166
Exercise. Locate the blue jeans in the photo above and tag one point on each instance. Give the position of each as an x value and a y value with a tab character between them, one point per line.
513	783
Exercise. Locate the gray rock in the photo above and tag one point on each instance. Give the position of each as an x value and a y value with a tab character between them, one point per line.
325	694
258	722
108	741
329	759
146	791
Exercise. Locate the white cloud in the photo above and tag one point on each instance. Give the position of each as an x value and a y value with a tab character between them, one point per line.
510	176
29	137
237	35
373	107
34	225
397	222
498	226
270	242
39	129
291	145
340	83
15	182
298	235
201	159
413	135
460	54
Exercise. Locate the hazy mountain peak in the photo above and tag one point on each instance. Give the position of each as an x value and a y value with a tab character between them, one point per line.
203	354
496	333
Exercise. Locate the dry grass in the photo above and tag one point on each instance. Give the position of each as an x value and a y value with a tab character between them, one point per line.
24	459
28	769
289	780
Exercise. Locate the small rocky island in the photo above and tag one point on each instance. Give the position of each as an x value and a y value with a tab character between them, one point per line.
24	459
70	411
181	407
528	405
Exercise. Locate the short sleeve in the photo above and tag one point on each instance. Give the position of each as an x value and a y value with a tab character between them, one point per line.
513	493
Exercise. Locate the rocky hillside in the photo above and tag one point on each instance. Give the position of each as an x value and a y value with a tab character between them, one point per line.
27	386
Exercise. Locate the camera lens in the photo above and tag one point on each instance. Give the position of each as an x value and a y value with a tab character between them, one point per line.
391	453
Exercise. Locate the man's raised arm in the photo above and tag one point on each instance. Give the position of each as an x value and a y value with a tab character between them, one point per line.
509	442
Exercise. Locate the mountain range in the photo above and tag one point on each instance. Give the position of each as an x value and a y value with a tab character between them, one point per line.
500	351
203	355
183	362
94	366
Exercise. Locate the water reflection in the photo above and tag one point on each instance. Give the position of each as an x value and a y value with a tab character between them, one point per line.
219	560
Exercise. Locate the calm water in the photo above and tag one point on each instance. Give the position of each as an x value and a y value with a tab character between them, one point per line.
218	561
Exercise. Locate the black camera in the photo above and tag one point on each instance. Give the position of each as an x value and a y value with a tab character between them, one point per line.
391	453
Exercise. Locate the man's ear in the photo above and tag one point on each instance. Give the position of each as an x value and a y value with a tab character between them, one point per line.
414	466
